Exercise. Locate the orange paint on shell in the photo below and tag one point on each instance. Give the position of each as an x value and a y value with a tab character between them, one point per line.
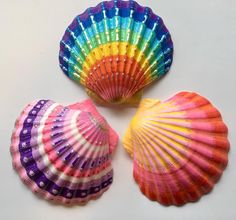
119	71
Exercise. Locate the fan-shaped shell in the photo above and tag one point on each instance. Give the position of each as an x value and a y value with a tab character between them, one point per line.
179	148
63	153
115	49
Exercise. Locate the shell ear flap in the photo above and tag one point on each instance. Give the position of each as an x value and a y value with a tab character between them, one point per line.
113	140
127	142
132	101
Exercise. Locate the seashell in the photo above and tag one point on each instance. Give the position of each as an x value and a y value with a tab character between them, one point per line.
179	148
63	153
116	49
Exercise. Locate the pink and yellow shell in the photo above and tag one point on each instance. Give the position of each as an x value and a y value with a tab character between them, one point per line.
63	153
179	148
116	49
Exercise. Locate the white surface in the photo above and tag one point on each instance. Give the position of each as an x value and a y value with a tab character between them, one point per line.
204	34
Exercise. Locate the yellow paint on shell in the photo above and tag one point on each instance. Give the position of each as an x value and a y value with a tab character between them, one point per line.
115	49
147	156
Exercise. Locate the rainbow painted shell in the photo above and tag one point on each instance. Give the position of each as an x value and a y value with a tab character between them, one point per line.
116	49
63	153
179	148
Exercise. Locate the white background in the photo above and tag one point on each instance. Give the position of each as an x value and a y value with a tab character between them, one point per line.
204	35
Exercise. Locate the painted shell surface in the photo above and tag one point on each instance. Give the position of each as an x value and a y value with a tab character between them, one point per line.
179	148
116	49
63	153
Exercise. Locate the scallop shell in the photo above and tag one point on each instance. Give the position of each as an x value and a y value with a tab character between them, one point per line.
179	148
116	49
63	153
